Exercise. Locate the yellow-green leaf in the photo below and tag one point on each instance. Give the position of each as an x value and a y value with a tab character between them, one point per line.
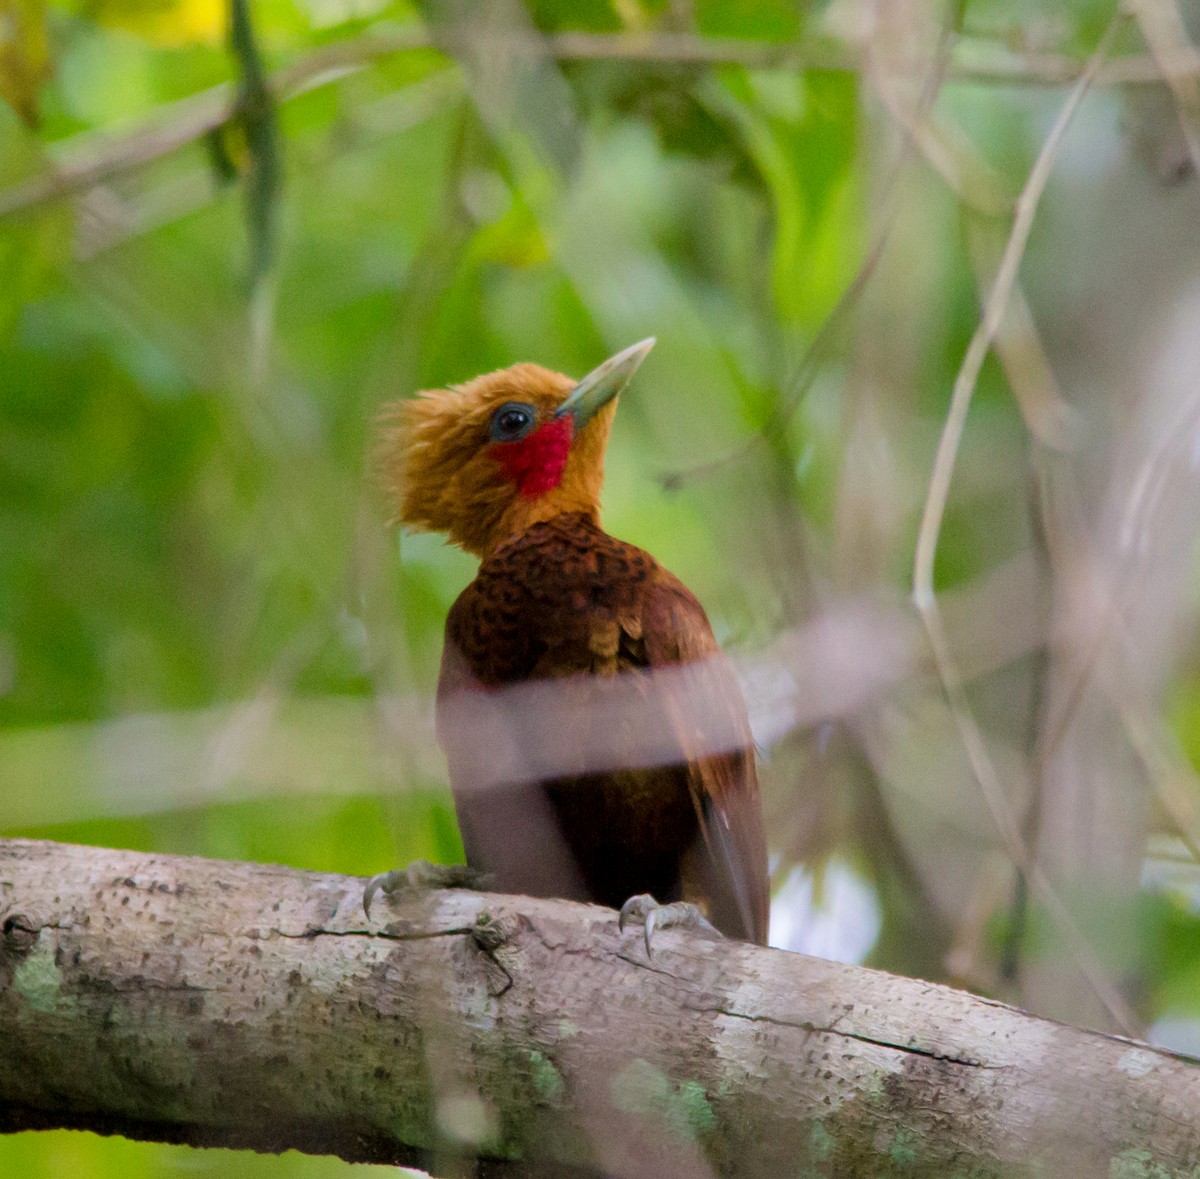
168	23
24	55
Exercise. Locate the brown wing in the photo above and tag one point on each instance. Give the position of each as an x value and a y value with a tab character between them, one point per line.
556	789
731	871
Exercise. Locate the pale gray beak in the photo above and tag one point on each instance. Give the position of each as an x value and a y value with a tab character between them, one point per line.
602	384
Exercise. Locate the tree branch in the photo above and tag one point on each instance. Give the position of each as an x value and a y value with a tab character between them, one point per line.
91	157
216	1003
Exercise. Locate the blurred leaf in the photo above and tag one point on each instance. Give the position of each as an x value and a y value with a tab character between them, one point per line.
663	94
257	118
357	836
589	15
31	254
25	63
222	144
168	23
1172	930
772	20
42	1154
799	129
1183	712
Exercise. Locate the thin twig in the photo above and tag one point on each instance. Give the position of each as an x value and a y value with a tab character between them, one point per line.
982	62
930	530
92	157
1162	768
945	149
120	219
1166	37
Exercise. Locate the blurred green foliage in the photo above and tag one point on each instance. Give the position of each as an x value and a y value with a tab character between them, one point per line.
205	624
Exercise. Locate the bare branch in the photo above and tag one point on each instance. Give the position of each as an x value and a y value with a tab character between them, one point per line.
994	311
1175	57
90	158
218	1003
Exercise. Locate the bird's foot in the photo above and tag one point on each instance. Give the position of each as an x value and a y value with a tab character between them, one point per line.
652	915
422	874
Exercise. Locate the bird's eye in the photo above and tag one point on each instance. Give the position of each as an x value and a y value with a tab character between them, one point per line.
512	421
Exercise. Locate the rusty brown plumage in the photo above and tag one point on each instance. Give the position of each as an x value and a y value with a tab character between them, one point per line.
558	599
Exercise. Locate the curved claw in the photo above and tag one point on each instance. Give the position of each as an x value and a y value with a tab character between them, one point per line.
648	928
377	884
653	916
637	908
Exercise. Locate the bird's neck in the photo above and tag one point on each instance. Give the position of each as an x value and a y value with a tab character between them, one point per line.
491	522
522	514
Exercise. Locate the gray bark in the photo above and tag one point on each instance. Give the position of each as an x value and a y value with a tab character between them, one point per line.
218	1003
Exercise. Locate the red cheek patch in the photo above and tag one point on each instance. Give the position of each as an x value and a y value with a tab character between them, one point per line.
536	463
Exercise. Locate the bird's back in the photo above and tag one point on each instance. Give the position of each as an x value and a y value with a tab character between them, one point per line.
597	779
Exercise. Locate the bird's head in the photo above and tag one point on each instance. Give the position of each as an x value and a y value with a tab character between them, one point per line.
483	461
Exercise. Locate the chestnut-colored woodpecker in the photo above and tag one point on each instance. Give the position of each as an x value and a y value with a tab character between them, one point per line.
567	647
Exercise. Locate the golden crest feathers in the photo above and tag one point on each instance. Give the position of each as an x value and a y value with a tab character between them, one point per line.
439	475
